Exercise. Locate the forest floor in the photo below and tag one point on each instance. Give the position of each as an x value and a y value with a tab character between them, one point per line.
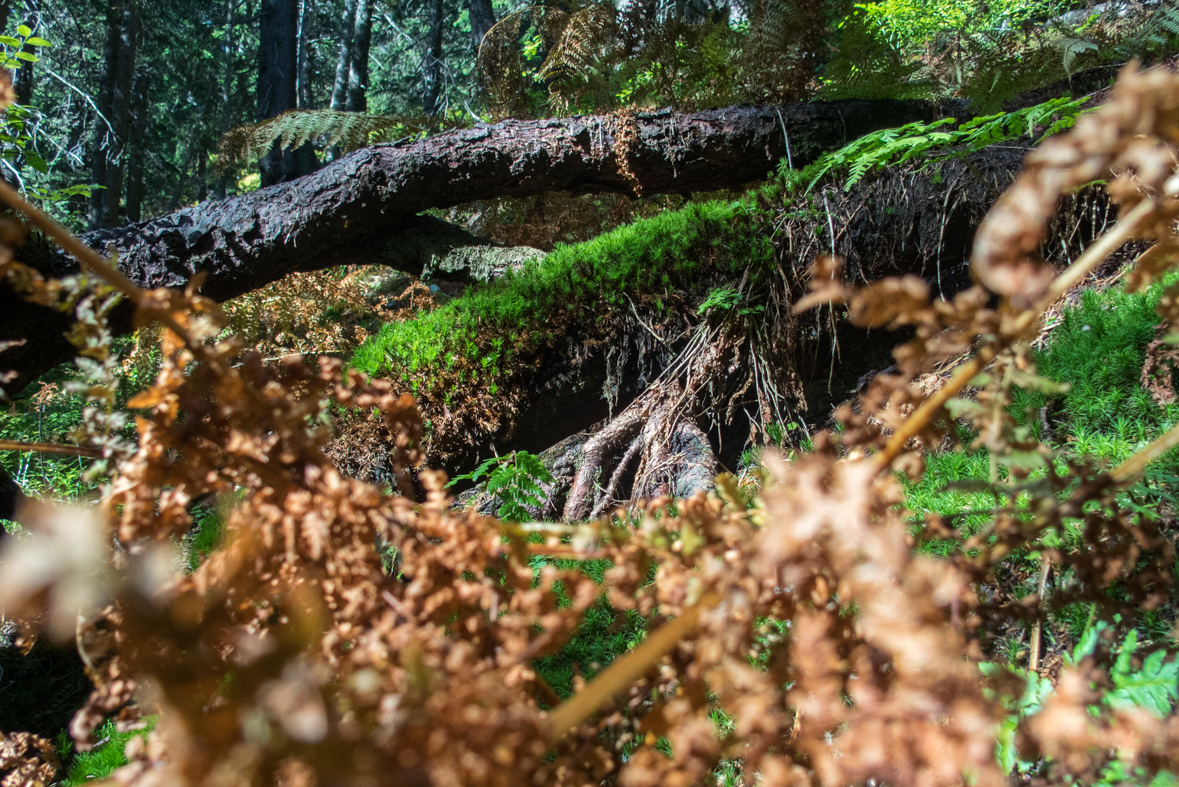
1096	347
1110	390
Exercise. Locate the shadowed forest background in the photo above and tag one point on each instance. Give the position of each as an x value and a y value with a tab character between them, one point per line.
653	392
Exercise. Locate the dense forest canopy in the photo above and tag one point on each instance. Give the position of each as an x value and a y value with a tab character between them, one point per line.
636	392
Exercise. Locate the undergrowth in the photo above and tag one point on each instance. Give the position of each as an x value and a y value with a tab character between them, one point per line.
108	754
1100	413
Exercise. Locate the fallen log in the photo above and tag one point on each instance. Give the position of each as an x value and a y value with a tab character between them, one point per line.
355	207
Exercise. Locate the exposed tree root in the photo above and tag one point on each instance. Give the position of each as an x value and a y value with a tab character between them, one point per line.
674	456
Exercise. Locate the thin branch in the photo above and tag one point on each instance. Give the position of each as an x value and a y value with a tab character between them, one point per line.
1034	658
50	448
1108	243
627	669
81	93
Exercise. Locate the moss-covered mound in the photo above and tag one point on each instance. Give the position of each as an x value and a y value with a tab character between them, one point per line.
478	359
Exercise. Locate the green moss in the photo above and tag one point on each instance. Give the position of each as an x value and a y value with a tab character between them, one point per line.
1106	416
101	761
490	325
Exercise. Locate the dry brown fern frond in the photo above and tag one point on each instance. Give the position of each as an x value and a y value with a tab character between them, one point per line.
783	50
501	66
292	656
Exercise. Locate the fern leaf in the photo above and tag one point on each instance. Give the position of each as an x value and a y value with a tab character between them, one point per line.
296	128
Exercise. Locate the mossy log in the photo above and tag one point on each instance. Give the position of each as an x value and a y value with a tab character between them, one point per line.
369	200
601	322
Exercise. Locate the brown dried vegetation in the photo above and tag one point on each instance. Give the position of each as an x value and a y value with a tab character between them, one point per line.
291	657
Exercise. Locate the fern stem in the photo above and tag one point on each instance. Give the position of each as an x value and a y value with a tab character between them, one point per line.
50	448
1134	466
1073	275
627	669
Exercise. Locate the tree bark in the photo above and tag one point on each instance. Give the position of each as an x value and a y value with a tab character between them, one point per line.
23	84
303	95
135	146
362	202
102	141
344	57
277	73
229	58
432	65
358	70
482	17
120	116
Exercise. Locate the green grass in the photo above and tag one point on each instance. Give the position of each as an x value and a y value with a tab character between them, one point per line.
1105	415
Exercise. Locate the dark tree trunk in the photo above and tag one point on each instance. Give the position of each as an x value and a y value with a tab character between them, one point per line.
358	71
432	65
23	84
103	139
11	496
353	209
344	57
135	145
202	188
5	12
277	73
482	17
229	60
120	116
303	87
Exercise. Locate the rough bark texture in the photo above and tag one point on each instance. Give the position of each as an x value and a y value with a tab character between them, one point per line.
482	17
120	114
348	210
135	148
303	87
358	69
102	141
23	83
344	56
432	67
277	74
228	63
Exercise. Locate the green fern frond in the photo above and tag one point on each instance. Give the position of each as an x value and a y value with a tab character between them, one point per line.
325	127
1071	48
934	141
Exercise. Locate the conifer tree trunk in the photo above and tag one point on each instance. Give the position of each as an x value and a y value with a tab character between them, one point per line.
23	83
277	73
229	55
482	17
432	66
135	145
344	58
358	71
359	209
120	116
303	90
102	141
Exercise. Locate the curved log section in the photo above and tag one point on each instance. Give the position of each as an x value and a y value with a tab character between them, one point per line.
354	208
